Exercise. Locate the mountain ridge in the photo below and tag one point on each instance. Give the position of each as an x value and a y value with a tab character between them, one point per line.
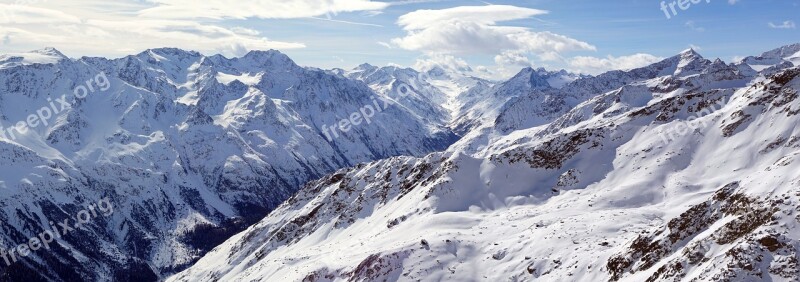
593	194
180	148
193	149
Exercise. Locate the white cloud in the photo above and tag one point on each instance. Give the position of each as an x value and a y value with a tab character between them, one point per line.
483	69
330	19
507	65
458	37
372	13
106	30
512	58
264	9
693	26
448	62
784	25
244	30
25	14
487	15
384	44
474	30
594	65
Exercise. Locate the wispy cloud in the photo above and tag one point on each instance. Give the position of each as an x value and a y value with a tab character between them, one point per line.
693	26
263	9
59	24
784	25
345	22
512	58
409	2
384	44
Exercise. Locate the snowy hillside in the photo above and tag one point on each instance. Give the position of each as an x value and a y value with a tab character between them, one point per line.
685	170
406	87
189	149
480	107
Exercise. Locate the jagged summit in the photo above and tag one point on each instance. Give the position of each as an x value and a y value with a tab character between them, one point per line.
773	60
172	52
690	62
365	66
270	52
270	58
50	51
541	78
684	63
690	53
537	79
791	50
46	55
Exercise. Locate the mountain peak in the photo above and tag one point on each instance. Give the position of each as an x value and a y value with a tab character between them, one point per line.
689	52
365	66
173	51
50	51
438	72
537	79
167	54
270	57
47	55
787	51
265	53
689	55
685	63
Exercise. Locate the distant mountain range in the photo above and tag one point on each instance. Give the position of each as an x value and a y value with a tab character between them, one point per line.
684	169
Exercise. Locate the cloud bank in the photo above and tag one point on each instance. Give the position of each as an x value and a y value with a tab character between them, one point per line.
476	30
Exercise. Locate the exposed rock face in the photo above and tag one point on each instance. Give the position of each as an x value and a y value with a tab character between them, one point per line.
190	149
686	170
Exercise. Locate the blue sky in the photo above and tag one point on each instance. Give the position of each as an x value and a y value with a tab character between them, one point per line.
580	35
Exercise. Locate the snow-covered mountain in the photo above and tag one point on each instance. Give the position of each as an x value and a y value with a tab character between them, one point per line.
406	87
459	100
685	170
774	60
189	149
481	104
517	104
447	92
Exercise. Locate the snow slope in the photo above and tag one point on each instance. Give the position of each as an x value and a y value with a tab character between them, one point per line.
190	150
406	87
686	170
